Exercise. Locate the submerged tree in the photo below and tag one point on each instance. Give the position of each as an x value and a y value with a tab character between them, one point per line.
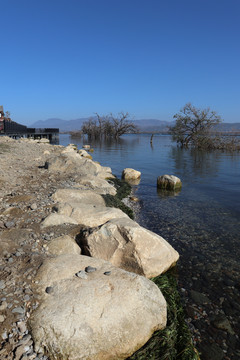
108	126
193	126
91	128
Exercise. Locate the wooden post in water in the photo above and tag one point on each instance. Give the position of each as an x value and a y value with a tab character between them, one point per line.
151	139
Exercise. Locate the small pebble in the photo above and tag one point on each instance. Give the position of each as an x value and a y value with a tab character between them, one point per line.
4	335
9	224
22	326
25	340
26	348
2	318
81	274
33	206
49	290
3	305
18	310
107	273
134	198
90	269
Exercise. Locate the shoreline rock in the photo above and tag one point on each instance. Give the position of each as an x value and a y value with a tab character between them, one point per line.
129	246
95	316
169	182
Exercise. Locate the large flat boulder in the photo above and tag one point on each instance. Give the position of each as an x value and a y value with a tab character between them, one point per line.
55	219
100	186
129	246
92	216
78	196
86	214
69	161
106	314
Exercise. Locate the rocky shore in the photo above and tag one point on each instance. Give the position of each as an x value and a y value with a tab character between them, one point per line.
74	272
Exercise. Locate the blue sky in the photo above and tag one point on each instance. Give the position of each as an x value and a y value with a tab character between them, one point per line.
72	58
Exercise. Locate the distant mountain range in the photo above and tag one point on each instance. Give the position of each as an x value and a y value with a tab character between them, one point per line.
145	125
74	125
62	125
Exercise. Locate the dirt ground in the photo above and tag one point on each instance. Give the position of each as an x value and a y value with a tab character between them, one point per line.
25	200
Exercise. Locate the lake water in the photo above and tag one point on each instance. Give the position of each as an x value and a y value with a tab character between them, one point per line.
202	222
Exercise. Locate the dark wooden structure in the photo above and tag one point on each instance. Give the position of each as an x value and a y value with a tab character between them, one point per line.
15	130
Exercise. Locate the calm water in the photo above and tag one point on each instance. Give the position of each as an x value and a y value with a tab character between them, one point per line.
202	222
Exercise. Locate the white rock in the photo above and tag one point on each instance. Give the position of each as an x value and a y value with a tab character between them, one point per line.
90	215
130	174
98	318
3	305
78	196
69	161
100	186
84	153
64	209
63	245
131	247
57	219
43	141
69	148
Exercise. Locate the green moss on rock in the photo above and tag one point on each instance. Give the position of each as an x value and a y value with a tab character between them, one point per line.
175	341
123	190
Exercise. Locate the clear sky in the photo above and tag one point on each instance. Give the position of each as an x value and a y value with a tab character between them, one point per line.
72	58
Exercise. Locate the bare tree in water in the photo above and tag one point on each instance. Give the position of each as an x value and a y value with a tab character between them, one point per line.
109	126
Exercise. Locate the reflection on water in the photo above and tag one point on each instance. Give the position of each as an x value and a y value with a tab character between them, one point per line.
162	193
133	182
202	222
196	162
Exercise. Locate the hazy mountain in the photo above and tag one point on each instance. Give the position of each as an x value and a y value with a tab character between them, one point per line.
152	125
72	125
62	125
145	125
228	127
